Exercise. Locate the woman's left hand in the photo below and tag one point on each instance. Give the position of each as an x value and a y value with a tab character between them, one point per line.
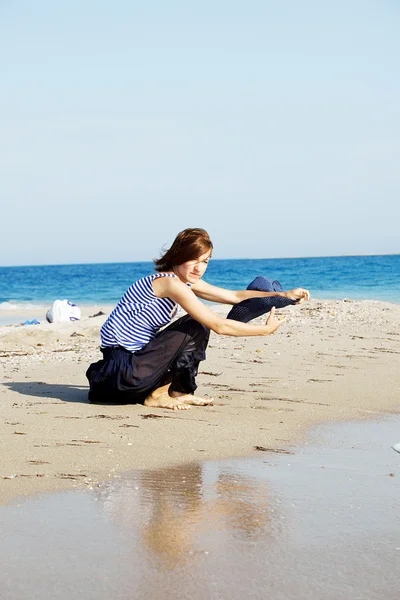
298	294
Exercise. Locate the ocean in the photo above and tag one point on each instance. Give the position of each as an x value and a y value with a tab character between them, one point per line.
354	277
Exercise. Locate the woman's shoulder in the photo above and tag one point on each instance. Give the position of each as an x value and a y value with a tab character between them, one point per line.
162	278
140	287
148	279
163	274
164	284
169	277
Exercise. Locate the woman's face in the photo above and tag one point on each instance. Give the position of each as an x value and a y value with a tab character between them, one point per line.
193	270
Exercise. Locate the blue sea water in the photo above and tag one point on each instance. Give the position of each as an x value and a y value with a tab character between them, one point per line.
354	277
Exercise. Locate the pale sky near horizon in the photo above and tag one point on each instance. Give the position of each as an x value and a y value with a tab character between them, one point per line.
274	125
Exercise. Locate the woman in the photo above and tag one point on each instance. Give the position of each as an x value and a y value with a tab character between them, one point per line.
142	364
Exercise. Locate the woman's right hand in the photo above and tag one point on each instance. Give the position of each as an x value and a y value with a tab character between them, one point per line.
273	323
297	295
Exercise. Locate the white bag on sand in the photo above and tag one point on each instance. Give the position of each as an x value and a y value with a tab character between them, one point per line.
62	311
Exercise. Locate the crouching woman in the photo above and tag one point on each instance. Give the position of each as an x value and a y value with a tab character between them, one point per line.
145	361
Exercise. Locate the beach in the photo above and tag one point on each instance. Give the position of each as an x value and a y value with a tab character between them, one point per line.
332	360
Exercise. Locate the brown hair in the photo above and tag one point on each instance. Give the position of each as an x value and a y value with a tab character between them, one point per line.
189	244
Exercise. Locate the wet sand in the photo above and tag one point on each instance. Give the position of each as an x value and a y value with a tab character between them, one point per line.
331	360
320	521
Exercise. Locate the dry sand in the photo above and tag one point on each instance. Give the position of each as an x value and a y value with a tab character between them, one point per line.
331	360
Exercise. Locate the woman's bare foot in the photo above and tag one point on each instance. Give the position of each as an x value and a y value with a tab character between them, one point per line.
191	399
163	398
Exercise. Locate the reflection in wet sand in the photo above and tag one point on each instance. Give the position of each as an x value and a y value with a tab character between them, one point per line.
170	509
322	524
174	499
243	504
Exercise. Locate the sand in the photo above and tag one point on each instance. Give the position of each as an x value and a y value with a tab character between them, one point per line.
331	361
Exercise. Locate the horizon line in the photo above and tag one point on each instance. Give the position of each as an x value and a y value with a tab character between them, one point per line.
121	262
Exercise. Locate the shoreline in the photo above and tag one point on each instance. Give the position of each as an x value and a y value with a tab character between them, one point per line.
38	310
331	361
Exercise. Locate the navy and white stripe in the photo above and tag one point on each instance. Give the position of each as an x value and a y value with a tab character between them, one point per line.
138	316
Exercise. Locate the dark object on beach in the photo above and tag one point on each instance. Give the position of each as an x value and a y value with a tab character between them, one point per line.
210	373
153	416
114	417
252	308
99	314
277	450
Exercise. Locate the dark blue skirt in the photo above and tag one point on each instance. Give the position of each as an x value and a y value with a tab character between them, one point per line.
124	377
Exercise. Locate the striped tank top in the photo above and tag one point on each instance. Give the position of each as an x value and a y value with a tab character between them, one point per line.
138	316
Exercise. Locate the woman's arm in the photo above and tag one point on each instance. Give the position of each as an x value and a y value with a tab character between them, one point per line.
213	293
171	287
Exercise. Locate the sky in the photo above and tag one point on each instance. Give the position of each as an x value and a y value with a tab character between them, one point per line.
273	125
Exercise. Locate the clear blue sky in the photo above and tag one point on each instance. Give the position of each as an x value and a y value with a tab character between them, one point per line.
274	125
